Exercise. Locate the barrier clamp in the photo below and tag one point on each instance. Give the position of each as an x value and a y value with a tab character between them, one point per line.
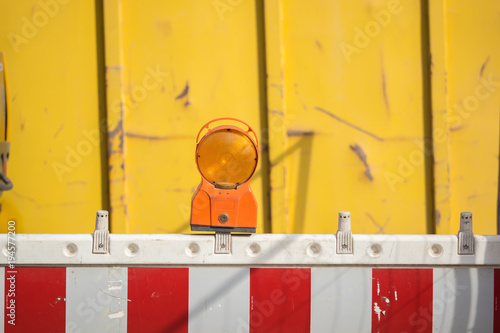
100	241
344	234
223	243
465	235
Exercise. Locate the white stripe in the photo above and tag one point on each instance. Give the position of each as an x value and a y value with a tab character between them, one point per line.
96	299
341	299
463	300
219	299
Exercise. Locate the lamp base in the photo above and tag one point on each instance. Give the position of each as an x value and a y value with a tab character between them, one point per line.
198	227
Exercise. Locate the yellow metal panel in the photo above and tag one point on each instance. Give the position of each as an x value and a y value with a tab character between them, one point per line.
173	66
277	118
53	102
465	49
439	145
350	86
116	113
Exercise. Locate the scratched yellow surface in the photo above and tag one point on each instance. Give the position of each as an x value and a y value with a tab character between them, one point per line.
174	66
465	45
353	113
366	106
52	85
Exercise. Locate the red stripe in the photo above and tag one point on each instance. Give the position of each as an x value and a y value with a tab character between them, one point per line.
39	295
402	300
280	300
496	304
158	299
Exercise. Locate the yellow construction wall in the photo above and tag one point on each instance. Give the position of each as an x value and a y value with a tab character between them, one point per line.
51	65
386	108
351	104
175	65
465	45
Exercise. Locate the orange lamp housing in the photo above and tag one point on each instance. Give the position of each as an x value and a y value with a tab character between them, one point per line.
226	157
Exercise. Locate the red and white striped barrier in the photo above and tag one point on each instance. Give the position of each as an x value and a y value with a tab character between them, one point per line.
244	299
268	283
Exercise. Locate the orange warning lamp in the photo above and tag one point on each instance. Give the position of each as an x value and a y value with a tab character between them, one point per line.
226	157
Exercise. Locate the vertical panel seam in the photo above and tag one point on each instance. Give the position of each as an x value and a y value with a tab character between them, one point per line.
427	117
263	103
102	102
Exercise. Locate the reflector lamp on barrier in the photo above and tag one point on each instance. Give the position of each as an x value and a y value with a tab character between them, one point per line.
226	157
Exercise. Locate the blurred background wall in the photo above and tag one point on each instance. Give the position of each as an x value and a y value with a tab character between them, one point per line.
386	108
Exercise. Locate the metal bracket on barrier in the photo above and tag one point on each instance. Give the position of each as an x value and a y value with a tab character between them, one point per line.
100	241
465	235
344	234
223	243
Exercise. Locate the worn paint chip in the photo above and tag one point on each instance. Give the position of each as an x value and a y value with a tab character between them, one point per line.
116	315
362	156
345	122
184	93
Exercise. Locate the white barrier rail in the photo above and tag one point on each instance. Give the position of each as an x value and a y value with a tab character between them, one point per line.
255	250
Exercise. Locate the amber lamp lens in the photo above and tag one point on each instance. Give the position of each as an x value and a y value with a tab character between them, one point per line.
227	158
